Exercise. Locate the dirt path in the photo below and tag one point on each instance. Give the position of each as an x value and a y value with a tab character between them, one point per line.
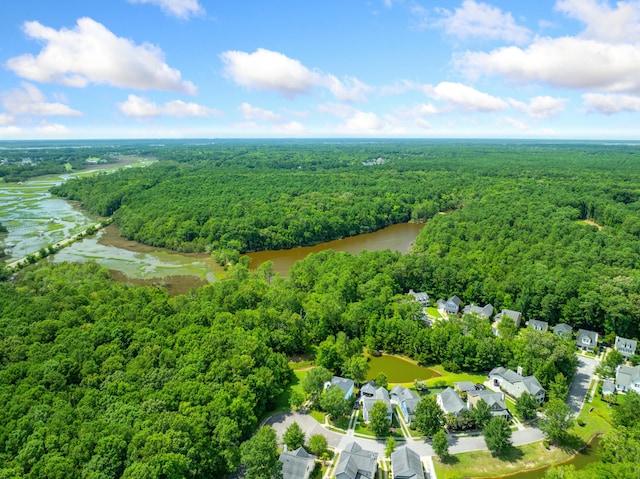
592	223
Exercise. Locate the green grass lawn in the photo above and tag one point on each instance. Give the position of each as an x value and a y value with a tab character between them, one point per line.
596	415
398	369
433	312
449	378
282	401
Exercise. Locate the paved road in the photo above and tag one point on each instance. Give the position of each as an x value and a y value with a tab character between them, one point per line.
580	385
281	421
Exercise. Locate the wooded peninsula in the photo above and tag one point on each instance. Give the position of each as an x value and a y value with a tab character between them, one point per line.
102	380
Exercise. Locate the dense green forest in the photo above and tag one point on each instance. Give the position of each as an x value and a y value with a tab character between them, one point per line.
102	380
512	234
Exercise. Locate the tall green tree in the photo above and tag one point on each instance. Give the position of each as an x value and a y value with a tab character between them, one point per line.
318	445
293	437
497	435
313	383
378	420
332	401
626	414
428	416
556	421
381	380
260	455
440	443
481	414
526	406
357	369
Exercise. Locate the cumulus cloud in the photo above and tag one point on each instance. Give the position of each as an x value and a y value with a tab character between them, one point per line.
620	24
6	119
141	107
90	53
52	128
565	62
541	107
274	71
605	56
31	101
354	120
465	97
480	20
253	115
611	103
176	8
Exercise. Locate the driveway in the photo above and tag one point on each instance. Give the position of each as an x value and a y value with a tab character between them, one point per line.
580	385
281	421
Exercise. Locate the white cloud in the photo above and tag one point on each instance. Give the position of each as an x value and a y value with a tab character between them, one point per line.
52	128
418	110
177	8
565	62
354	120
269	70
480	20
90	53
141	107
6	119
620	24
31	101
611	104
399	87
513	123
274	71
349	90
252	113
465	97
541	107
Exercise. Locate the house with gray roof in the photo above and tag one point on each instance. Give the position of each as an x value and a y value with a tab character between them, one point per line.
538	325
406	400
368	389
626	347
450	402
484	312
464	386
515	316
608	388
421	297
381	394
586	340
450	306
298	464
628	378
345	384
494	399
563	329
406	464
356	463
515	384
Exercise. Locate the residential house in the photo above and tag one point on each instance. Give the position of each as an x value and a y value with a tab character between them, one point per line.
626	347
538	325
484	312
406	464
450	402
381	394
343	383
297	464
515	316
368	389
421	297
628	378
586	340
608	388
464	386
494	399
515	384
563	329
406	400
356	463
450	306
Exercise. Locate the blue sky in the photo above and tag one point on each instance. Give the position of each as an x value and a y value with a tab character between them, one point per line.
331	68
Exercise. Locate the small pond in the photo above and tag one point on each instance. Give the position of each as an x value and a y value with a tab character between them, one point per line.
398	370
